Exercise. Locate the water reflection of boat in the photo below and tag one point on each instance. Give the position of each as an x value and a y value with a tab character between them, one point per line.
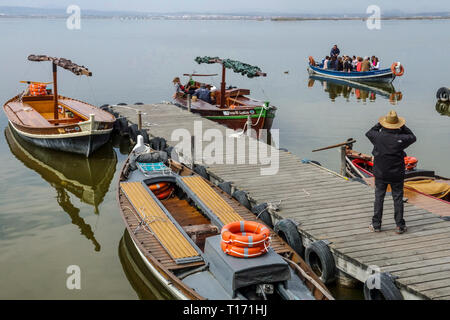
443	108
361	91
141	279
86	178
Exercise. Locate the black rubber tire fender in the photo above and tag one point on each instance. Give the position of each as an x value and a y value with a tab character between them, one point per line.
144	135
122	104
158	143
201	170
319	257
387	289
287	230
225	186
241	197
264	215
443	94
133	132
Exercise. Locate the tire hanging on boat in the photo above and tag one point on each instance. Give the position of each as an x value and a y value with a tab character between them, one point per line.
443	94
133	131
260	210
201	171
144	135
225	186
287	230
319	257
241	197
381	286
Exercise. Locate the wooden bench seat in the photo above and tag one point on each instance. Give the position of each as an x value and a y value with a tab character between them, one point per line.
27	115
84	110
224	212
167	232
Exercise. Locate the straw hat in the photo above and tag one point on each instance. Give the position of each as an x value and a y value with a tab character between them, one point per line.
392	121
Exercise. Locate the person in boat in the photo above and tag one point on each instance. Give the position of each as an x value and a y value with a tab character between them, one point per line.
347	64
359	64
339	64
375	63
179	88
325	62
390	137
332	65
365	64
335	51
203	93
354	63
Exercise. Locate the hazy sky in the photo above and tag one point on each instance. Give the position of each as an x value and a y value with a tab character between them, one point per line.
269	6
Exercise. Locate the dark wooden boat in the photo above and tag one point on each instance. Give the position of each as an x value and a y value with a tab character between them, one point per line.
360	166
175	231
86	179
53	121
231	106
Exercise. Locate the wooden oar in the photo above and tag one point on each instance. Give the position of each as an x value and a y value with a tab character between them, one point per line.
349	141
28	82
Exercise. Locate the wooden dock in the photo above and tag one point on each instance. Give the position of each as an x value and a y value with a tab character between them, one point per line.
326	206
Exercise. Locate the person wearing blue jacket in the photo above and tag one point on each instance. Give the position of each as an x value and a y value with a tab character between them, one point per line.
390	137
335	51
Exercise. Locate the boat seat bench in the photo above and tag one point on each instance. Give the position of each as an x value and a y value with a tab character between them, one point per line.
160	223
27	115
218	206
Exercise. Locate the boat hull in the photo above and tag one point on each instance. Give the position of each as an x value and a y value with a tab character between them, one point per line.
84	143
384	75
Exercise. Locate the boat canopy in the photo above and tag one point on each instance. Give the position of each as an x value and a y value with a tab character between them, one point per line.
237	66
63	63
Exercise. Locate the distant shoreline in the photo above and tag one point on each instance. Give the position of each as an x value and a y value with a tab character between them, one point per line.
223	18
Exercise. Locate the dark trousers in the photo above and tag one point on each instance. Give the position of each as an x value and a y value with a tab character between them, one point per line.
397	195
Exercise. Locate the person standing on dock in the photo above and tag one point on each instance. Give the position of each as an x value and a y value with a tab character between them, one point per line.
390	137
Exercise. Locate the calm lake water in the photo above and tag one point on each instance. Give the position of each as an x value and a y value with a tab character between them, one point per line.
59	210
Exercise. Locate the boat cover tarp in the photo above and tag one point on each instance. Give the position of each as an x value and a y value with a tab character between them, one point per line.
234	273
430	187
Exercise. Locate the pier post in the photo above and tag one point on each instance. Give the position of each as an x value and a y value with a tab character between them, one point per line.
139	115
189	102
343	162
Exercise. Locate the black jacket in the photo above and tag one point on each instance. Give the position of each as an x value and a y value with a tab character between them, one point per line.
388	151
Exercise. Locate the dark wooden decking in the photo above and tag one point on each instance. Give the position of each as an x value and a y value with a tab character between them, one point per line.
329	207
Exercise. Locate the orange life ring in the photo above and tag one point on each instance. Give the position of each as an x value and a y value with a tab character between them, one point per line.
394	69
240	252
311	61
165	194
158	186
245	234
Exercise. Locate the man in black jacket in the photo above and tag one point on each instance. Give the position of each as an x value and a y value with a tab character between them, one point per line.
390	137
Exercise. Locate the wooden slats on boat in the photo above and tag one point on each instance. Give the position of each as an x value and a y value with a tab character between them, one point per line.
85	109
26	115
159	223
210	198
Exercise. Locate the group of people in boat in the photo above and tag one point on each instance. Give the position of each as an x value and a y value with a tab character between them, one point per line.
349	64
203	92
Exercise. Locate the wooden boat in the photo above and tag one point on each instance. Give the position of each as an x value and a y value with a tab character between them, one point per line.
231	106
49	120
86	179
175	231
360	166
382	75
361	90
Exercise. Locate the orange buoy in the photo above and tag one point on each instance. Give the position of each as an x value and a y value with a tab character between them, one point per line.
159	186
394	67
410	163
165	194
239	252
312	61
245	239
